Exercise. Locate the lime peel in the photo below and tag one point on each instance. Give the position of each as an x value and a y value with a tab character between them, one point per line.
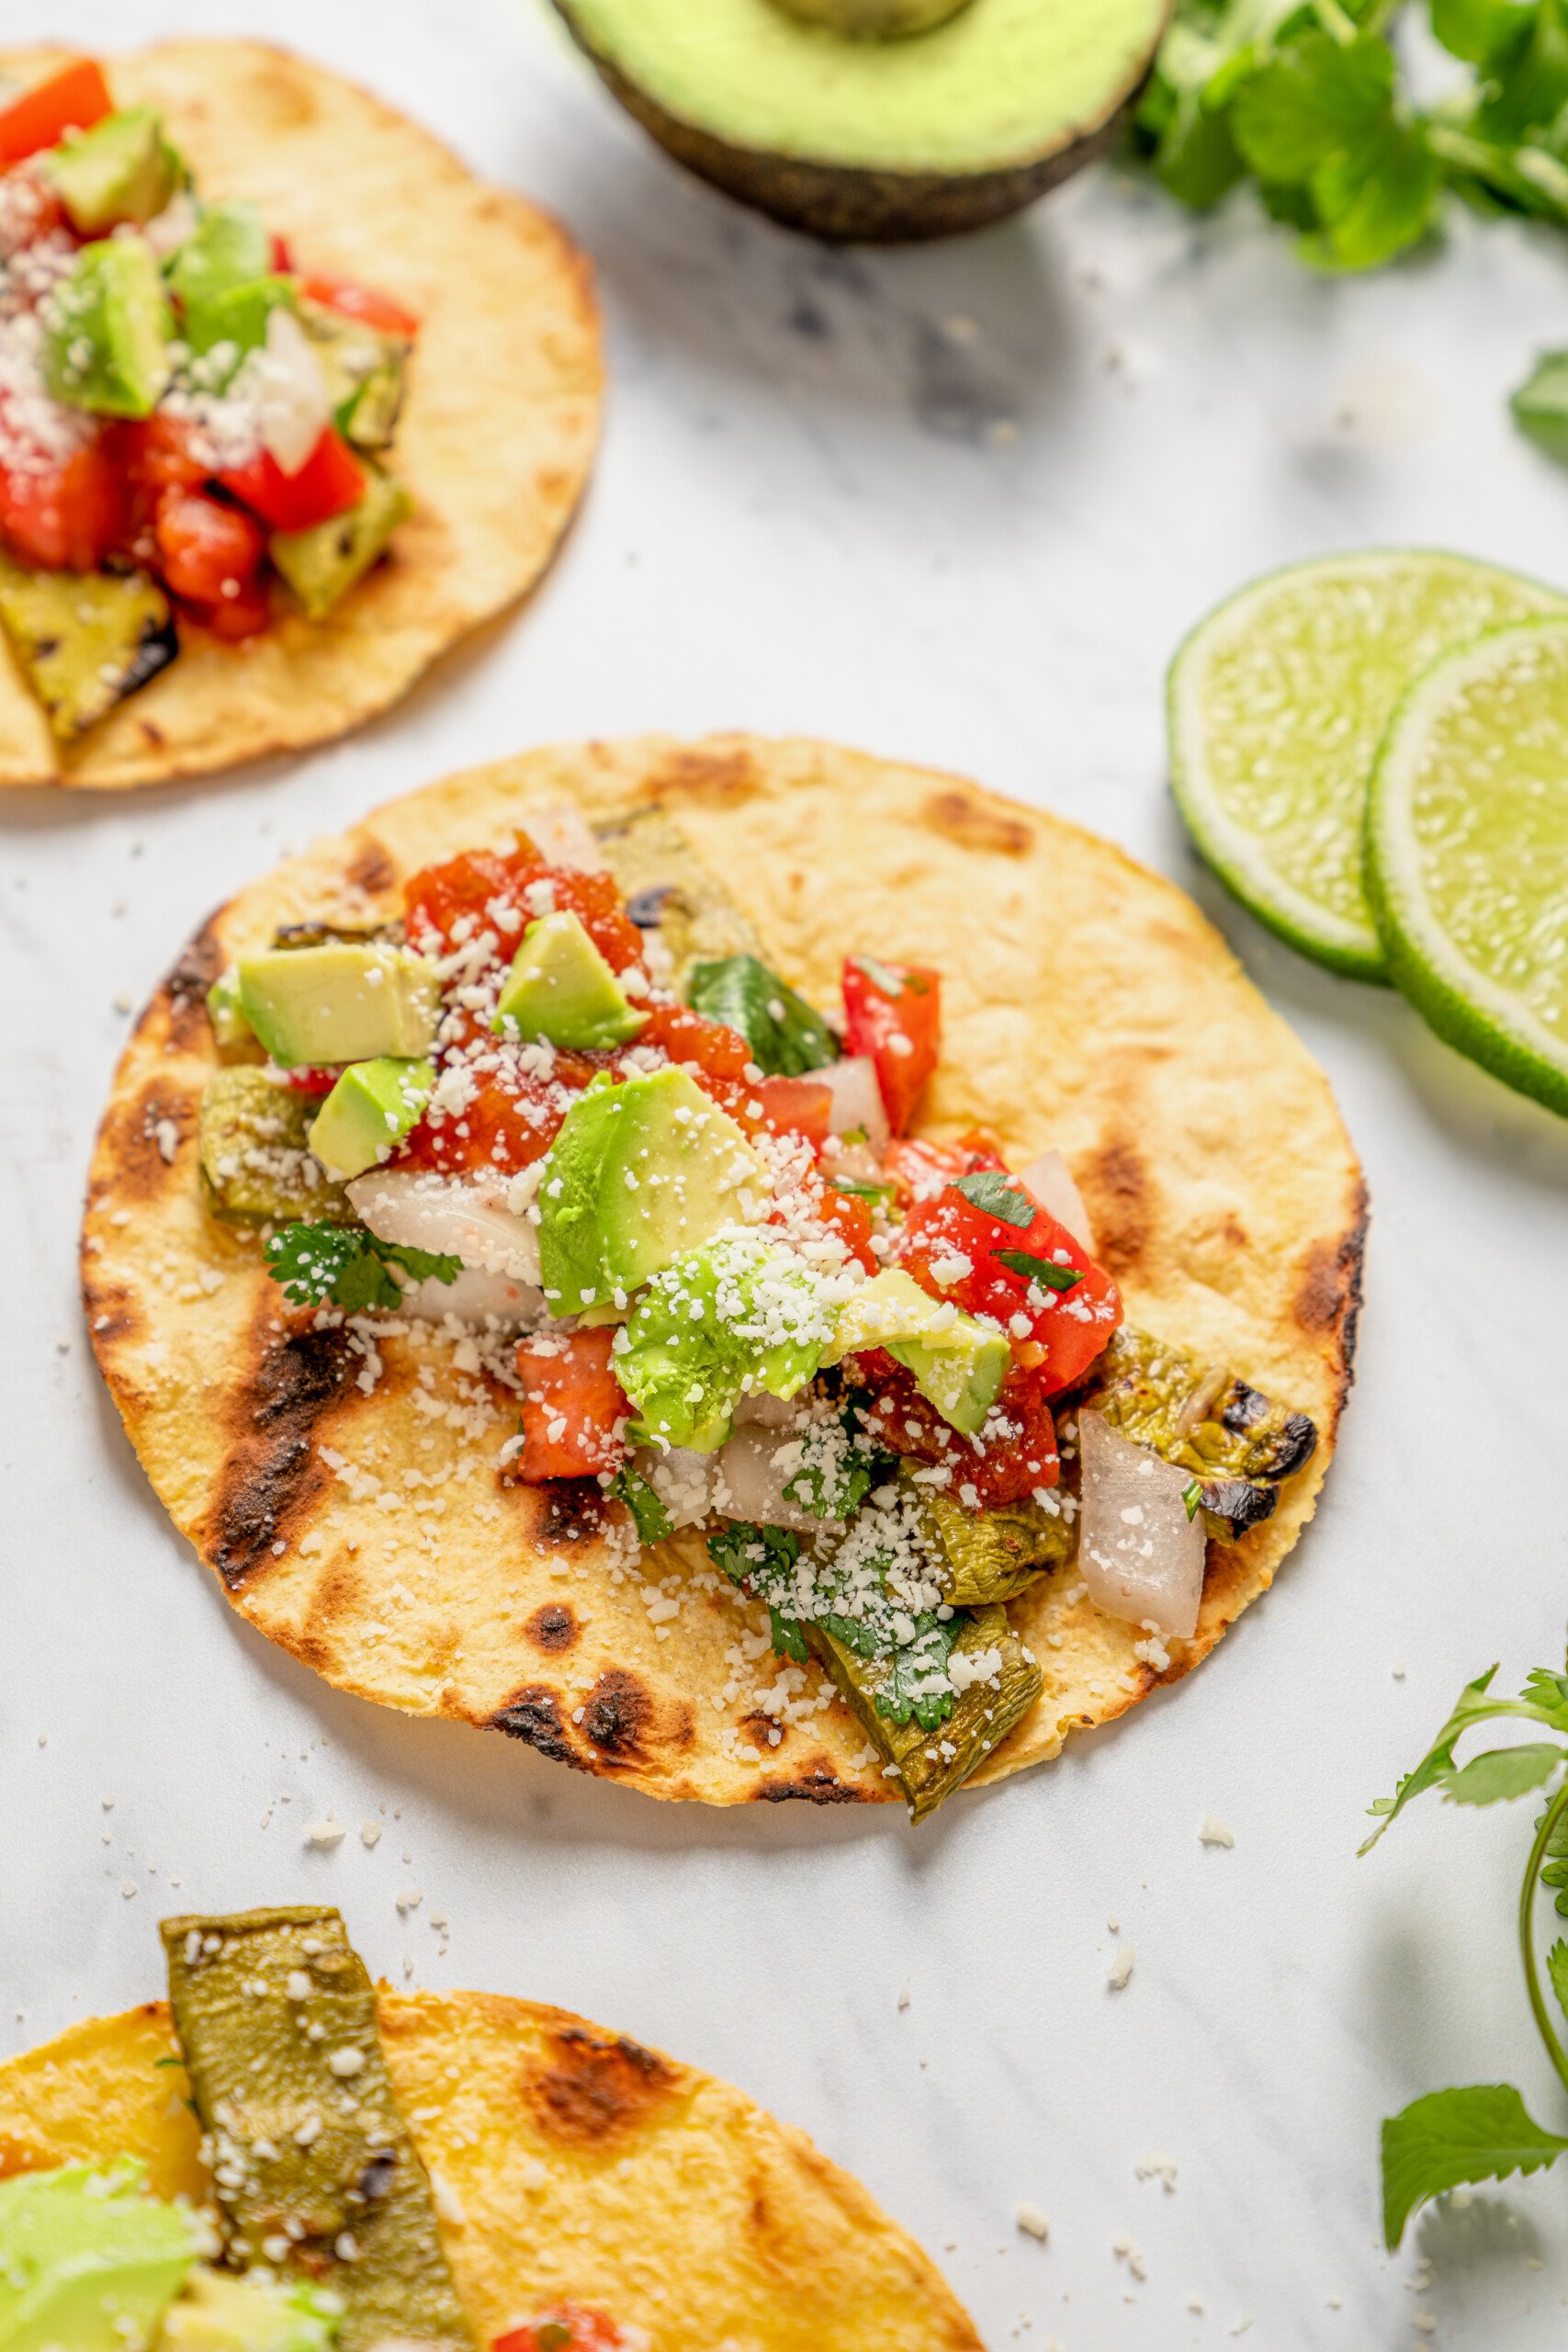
1277	701
1467	853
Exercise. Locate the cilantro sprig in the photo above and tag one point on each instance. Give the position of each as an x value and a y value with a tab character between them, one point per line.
1482	2132
652	1521
350	1266
1308	103
1044	1270
997	1195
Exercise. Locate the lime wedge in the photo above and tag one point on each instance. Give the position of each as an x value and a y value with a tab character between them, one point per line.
1467	853
1278	703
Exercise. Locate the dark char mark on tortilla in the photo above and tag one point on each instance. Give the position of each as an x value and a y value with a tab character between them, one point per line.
533	1715
273	1466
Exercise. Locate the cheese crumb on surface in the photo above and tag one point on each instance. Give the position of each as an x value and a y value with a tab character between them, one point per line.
326	1834
1121	1967
1032	2220
1124	2250
1216	1833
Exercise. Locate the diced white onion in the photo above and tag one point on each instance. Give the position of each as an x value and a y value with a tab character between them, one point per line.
764	1412
477	1297
565	837
443	1213
1139	1553
174	226
857	1098
684	1482
754	1468
289	391
1051	1181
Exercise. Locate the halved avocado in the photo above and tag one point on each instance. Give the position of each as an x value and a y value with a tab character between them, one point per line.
85	640
876	136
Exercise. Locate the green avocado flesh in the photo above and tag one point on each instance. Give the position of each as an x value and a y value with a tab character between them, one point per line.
339	1002
221	2314
638	1173
85	640
999	85
370	1109
105	332
88	2260
319	2177
561	988
123	169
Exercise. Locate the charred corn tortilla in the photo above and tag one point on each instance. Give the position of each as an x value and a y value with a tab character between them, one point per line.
584	2167
494	442
357	1520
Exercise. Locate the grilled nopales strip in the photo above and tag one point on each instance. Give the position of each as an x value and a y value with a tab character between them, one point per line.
253	1142
314	2170
1237	1442
669	890
989	1554
929	1765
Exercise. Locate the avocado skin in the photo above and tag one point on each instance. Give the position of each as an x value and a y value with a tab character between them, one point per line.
845	203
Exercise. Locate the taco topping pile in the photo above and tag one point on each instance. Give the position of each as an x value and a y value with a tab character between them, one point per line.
324	2230
194	424
672	1212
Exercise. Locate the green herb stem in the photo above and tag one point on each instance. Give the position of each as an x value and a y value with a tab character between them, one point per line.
1544	2026
1333	19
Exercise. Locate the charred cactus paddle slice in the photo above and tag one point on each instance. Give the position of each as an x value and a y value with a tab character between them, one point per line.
929	1765
990	1554
86	640
1238	1443
314	2171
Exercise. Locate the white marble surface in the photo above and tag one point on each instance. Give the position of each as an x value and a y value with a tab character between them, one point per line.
957	505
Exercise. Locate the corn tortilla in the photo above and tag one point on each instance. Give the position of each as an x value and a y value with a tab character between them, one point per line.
1088	1004
494	443
584	2167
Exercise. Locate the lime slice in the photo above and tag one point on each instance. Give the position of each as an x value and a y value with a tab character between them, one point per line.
1467	853
1278	704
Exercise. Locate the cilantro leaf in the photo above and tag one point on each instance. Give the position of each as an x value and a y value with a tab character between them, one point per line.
1540	405
349	1266
1038	1270
789	1641
1375	200
759	1559
1481	2133
1192	1494
856	1634
1483	32
1319	97
1554	1870
788	1037
1502	1773
886	977
996	1193
913	1669
1473	1706
1557	1969
1548	1694
861	1190
651	1520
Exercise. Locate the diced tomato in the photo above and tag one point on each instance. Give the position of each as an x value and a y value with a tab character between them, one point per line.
565	2327
504	1129
846	1214
73	98
63	518
330	481
282	259
893	1011
1017	1457
159	451
234	617
1071	1326
572	1404
481	884
306	1079
714	1049
366	302
779	1106
207	551
918	1168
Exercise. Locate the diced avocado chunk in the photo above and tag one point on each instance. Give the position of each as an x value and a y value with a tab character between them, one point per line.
253	1142
106	331
229	1026
370	1110
219	2312
638	1173
339	1002
928	1765
366	372
123	169
739	1315
85	640
228	247
957	1362
321	564
228	325
87	2259
560	988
